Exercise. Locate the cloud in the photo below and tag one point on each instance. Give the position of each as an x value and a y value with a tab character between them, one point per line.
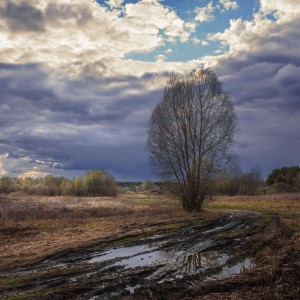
21	16
228	5
82	36
197	41
114	3
55	123
151	15
205	13
282	9
160	58
26	167
3	170
261	72
70	100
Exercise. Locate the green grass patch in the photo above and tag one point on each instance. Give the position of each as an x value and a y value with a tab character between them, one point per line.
231	234
30	295
154	201
9	283
16	282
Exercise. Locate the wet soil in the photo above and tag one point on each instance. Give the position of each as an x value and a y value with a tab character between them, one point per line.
168	265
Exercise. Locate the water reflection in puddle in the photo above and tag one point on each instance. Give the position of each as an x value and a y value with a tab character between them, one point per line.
144	259
173	264
235	269
135	256
203	260
118	253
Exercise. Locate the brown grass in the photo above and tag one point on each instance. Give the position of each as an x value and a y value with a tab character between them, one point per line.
32	227
34	208
287	206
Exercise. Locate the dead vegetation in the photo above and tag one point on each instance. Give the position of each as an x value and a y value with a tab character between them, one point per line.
274	275
286	206
33	227
33	208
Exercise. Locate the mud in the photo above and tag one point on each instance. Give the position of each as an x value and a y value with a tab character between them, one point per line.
185	257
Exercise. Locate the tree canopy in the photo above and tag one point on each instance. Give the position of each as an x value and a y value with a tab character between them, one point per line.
190	133
285	179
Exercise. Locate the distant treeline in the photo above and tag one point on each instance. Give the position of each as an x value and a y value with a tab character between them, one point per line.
285	179
101	183
92	183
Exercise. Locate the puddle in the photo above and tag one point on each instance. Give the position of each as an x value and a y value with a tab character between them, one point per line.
145	259
131	289
118	253
185	256
203	260
235	269
172	264
135	256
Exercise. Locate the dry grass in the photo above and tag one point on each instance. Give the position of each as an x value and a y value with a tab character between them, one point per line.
34	208
33	227
287	206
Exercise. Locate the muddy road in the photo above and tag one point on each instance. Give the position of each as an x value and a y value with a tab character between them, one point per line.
183	256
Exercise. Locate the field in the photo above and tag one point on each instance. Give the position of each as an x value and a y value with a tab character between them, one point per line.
33	228
286	206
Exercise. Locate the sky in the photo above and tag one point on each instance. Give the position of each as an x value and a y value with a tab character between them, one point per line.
80	78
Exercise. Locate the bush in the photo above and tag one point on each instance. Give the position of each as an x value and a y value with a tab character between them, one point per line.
92	183
285	179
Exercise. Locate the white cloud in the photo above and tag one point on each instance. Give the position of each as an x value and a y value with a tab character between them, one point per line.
282	9
17	167
205	13
261	34
84	36
191	26
114	3
160	58
196	41
244	35
26	167
3	171
169	50
228	4
138	68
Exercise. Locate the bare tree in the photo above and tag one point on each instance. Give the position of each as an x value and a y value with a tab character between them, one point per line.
190	133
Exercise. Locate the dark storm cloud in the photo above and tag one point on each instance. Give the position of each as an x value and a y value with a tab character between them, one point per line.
88	101
265	87
94	124
61	12
21	16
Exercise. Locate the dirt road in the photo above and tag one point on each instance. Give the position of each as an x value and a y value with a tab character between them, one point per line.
119	268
